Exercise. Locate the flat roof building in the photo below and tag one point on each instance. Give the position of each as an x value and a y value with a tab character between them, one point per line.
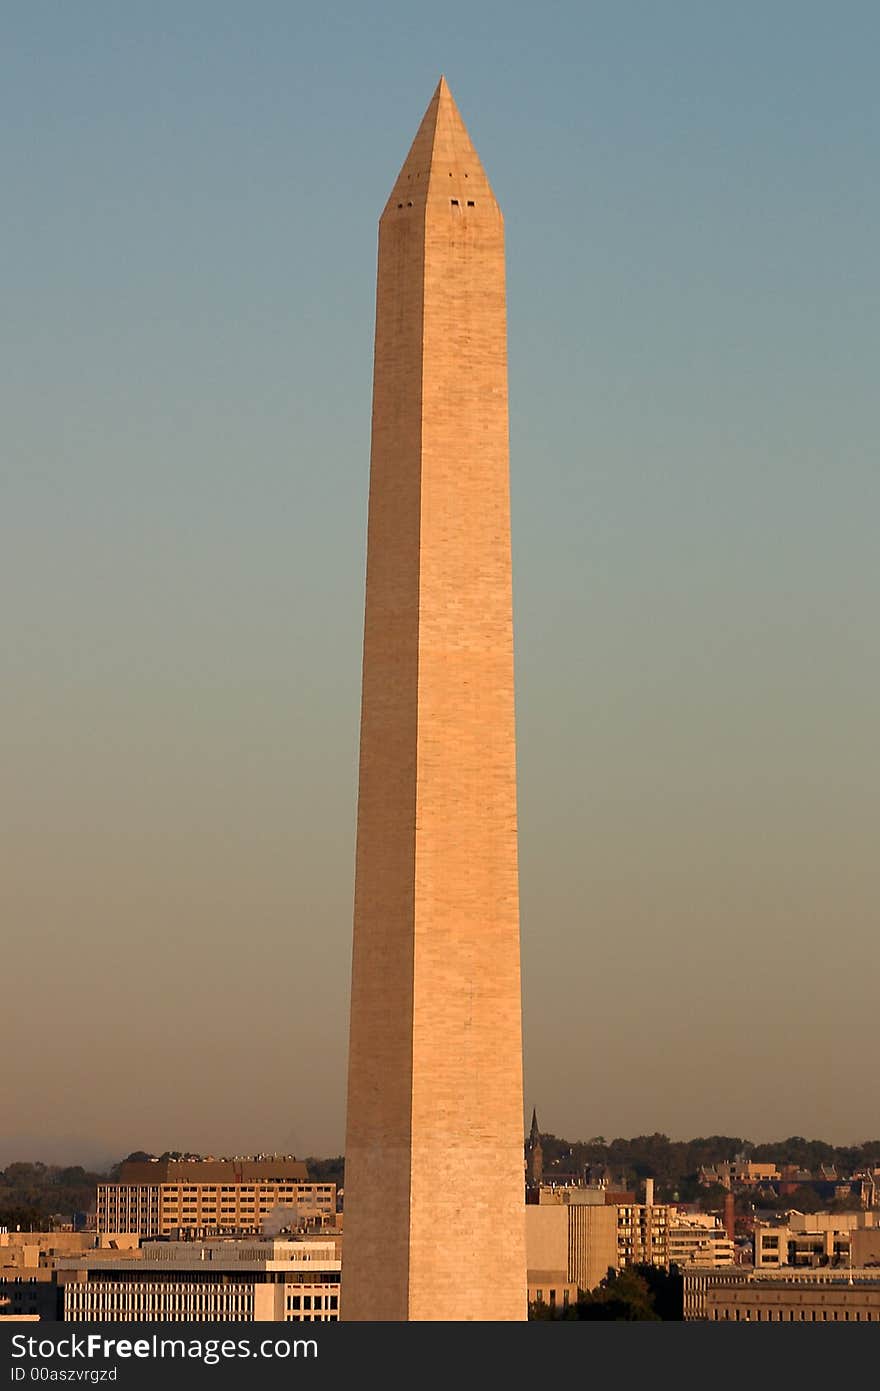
569	1245
210	1281
235	1170
28	1260
698	1239
789	1296
809	1239
163	1197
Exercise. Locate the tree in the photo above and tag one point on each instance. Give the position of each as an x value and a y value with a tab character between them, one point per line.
666	1288
74	1177
623	1296
806	1199
711	1196
539	1309
326	1170
26	1217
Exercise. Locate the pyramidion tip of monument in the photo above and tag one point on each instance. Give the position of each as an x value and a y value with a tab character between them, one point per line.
442	150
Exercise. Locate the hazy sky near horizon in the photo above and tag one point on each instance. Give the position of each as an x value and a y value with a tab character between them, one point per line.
190	197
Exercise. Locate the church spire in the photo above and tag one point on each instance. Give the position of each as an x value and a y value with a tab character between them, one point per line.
535	1171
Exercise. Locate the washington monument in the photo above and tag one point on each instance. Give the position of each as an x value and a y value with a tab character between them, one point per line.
434	1182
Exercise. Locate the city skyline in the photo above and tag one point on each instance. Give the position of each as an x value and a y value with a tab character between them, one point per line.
690	207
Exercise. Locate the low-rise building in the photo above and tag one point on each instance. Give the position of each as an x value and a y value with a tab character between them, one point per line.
787	1296
749	1172
210	1281
739	1172
28	1288
812	1239
28	1294
865	1247
553	1289
699	1238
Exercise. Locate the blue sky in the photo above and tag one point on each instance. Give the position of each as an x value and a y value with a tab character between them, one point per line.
189	220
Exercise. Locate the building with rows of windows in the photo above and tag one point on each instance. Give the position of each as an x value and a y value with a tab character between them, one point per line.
698	1238
163	1197
744	1295
220	1280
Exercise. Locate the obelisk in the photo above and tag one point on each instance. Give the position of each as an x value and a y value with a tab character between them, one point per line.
434	1182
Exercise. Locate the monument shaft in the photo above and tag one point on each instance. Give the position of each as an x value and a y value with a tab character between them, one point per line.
434	1185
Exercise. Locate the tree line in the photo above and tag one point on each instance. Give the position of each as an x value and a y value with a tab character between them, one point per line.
32	1193
641	1293
675	1164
